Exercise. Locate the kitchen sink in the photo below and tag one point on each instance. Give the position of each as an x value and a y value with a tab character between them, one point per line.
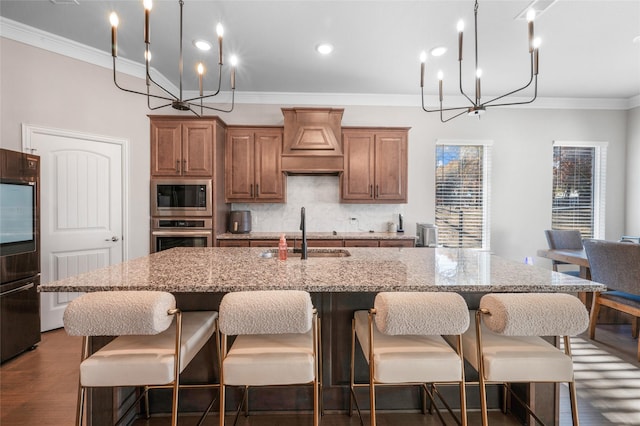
317	252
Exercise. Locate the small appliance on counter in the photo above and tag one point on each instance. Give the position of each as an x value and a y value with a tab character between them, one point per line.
400	224
427	234
240	221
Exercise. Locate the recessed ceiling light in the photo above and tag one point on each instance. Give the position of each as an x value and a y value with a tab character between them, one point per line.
438	51
202	45
324	48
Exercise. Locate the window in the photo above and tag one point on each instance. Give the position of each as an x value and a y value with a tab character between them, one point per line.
579	172
462	193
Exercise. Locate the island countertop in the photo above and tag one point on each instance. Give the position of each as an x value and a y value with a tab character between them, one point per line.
215	269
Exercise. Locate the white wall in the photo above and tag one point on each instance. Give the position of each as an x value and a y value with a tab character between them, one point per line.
45	89
632	224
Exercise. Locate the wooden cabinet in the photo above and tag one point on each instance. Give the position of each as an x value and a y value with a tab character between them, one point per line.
397	243
361	243
233	243
182	147
375	166
253	170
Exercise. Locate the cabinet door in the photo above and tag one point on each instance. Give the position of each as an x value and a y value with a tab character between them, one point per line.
391	167
166	148
358	176
239	156
233	243
269	180
197	149
397	243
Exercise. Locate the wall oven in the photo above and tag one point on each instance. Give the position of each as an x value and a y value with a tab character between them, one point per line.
177	232
181	197
19	252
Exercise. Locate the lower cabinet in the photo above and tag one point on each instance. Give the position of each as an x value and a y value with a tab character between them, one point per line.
397	243
233	243
318	243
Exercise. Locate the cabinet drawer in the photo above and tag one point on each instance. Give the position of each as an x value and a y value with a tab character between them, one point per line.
397	243
361	243
264	243
233	243
317	243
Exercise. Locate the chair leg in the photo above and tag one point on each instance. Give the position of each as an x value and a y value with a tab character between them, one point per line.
316	402
146	402
352	367
174	404
574	403
593	318
222	403
80	407
372	397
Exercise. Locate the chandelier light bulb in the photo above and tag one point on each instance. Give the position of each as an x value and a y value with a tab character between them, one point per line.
460	26
200	68
234	64
531	15
440	75
423	61
234	61
113	19
478	73
148	4
536	42
219	30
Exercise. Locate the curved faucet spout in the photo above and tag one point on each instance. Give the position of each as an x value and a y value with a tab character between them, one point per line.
303	228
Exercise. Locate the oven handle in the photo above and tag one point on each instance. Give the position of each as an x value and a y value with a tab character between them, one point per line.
181	233
25	287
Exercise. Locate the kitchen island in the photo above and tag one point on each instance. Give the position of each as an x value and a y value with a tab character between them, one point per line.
340	281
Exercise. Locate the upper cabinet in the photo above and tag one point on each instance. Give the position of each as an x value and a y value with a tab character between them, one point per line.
253	168
375	165
181	147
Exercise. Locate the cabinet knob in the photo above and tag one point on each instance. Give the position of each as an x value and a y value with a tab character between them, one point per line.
257	189
178	166
377	191
371	191
251	190
114	239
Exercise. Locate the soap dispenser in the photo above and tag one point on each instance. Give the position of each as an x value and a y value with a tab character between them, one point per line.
282	248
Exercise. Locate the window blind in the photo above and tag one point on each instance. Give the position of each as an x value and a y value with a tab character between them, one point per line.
462	194
578	187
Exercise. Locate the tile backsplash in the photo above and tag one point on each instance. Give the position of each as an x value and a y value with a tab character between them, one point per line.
320	195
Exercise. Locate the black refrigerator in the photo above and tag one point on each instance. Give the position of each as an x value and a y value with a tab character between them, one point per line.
19	252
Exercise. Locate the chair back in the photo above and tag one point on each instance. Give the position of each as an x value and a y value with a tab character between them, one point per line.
614	264
119	313
534	314
266	312
416	313
564	239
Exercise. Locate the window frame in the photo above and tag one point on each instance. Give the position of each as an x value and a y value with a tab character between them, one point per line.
487	146
598	184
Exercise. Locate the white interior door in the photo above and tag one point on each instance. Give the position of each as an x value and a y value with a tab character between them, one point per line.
81	208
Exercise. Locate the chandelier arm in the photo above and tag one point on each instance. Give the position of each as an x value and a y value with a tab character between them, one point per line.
514	91
535	95
133	91
172	98
452	117
466	108
212	94
460	79
220	109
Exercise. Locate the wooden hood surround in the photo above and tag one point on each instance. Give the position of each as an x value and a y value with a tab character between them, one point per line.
312	141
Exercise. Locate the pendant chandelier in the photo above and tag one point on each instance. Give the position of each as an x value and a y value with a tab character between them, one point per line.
176	102
476	105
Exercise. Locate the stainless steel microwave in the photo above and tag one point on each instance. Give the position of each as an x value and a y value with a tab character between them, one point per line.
181	197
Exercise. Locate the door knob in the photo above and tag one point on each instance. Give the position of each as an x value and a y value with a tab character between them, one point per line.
114	238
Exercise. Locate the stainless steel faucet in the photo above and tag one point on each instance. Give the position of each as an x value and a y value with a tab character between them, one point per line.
303	228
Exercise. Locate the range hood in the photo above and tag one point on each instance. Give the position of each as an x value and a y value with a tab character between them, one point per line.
312	141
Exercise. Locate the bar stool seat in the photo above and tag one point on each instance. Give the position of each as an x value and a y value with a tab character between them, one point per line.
151	348
276	343
505	346
401	339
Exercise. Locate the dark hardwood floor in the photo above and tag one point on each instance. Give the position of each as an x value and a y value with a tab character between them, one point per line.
39	388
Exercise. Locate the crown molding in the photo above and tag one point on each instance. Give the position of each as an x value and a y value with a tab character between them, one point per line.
41	39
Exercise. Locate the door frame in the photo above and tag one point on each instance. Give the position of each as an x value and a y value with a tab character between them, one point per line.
28	130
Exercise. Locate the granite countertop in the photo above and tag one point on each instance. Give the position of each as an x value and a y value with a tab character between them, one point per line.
215	269
318	236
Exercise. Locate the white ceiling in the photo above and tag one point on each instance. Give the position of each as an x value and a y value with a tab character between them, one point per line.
587	45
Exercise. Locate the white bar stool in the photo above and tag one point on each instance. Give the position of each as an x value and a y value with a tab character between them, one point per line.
277	343
151	349
401	339
504	345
